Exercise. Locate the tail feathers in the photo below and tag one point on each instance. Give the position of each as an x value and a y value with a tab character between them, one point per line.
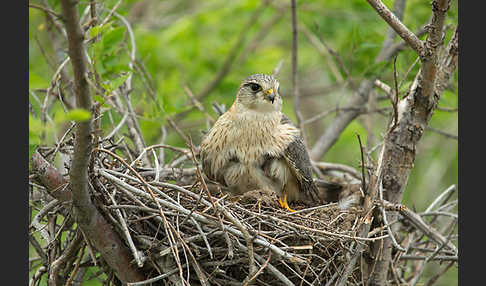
328	191
346	195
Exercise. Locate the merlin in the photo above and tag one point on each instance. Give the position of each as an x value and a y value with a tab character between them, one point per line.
255	146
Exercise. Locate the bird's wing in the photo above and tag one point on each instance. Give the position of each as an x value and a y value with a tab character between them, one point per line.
205	157
299	163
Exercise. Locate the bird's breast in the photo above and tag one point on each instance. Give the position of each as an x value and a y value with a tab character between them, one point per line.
248	139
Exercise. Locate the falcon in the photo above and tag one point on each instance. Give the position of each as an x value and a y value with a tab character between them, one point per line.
255	146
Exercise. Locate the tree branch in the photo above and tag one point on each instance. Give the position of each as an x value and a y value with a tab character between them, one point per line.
398	26
91	222
398	153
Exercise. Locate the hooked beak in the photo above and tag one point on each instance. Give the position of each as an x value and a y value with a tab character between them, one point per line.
270	95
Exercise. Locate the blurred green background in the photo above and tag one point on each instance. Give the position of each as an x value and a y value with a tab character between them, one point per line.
187	43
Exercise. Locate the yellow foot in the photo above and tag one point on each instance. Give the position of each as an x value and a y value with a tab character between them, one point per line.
284	204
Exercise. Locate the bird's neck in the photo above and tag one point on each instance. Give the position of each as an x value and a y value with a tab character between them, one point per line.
270	119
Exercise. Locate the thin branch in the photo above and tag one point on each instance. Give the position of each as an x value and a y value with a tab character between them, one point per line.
448	191
363	164
295	88
394	101
228	62
398	26
420	224
443	133
69	252
45	9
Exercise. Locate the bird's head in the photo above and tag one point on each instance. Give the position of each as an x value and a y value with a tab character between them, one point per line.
260	92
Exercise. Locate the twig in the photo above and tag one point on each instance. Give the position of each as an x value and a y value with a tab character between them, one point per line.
265	264
117	128
331	205
38	249
449	190
76	267
214	204
408	71
337	126
38	275
429	258
437	258
363	164
420	224
154	279
45	9
398	26
110	14
228	62
54	20
438	131
271	268
394	101
295	88
277	69
434	278
198	104
325	51
69	252
387	225
36	221
136	254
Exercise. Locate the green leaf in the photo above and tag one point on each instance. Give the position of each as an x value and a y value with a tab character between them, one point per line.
99	99
97	30
111	39
116	83
78	115
94	31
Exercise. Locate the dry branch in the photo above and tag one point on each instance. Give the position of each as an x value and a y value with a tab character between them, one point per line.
398	26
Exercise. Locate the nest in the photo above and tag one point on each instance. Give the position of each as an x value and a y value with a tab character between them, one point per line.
177	227
224	235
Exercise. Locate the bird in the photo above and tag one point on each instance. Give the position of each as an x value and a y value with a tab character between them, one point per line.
253	145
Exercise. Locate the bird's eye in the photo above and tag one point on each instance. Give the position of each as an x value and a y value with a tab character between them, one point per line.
255	87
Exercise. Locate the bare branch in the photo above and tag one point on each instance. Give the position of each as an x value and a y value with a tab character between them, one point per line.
89	219
398	26
295	88
228	62
398	153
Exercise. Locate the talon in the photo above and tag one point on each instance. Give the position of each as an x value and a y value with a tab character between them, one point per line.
284	204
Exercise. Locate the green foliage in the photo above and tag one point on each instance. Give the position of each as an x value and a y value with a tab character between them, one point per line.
76	114
108	53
